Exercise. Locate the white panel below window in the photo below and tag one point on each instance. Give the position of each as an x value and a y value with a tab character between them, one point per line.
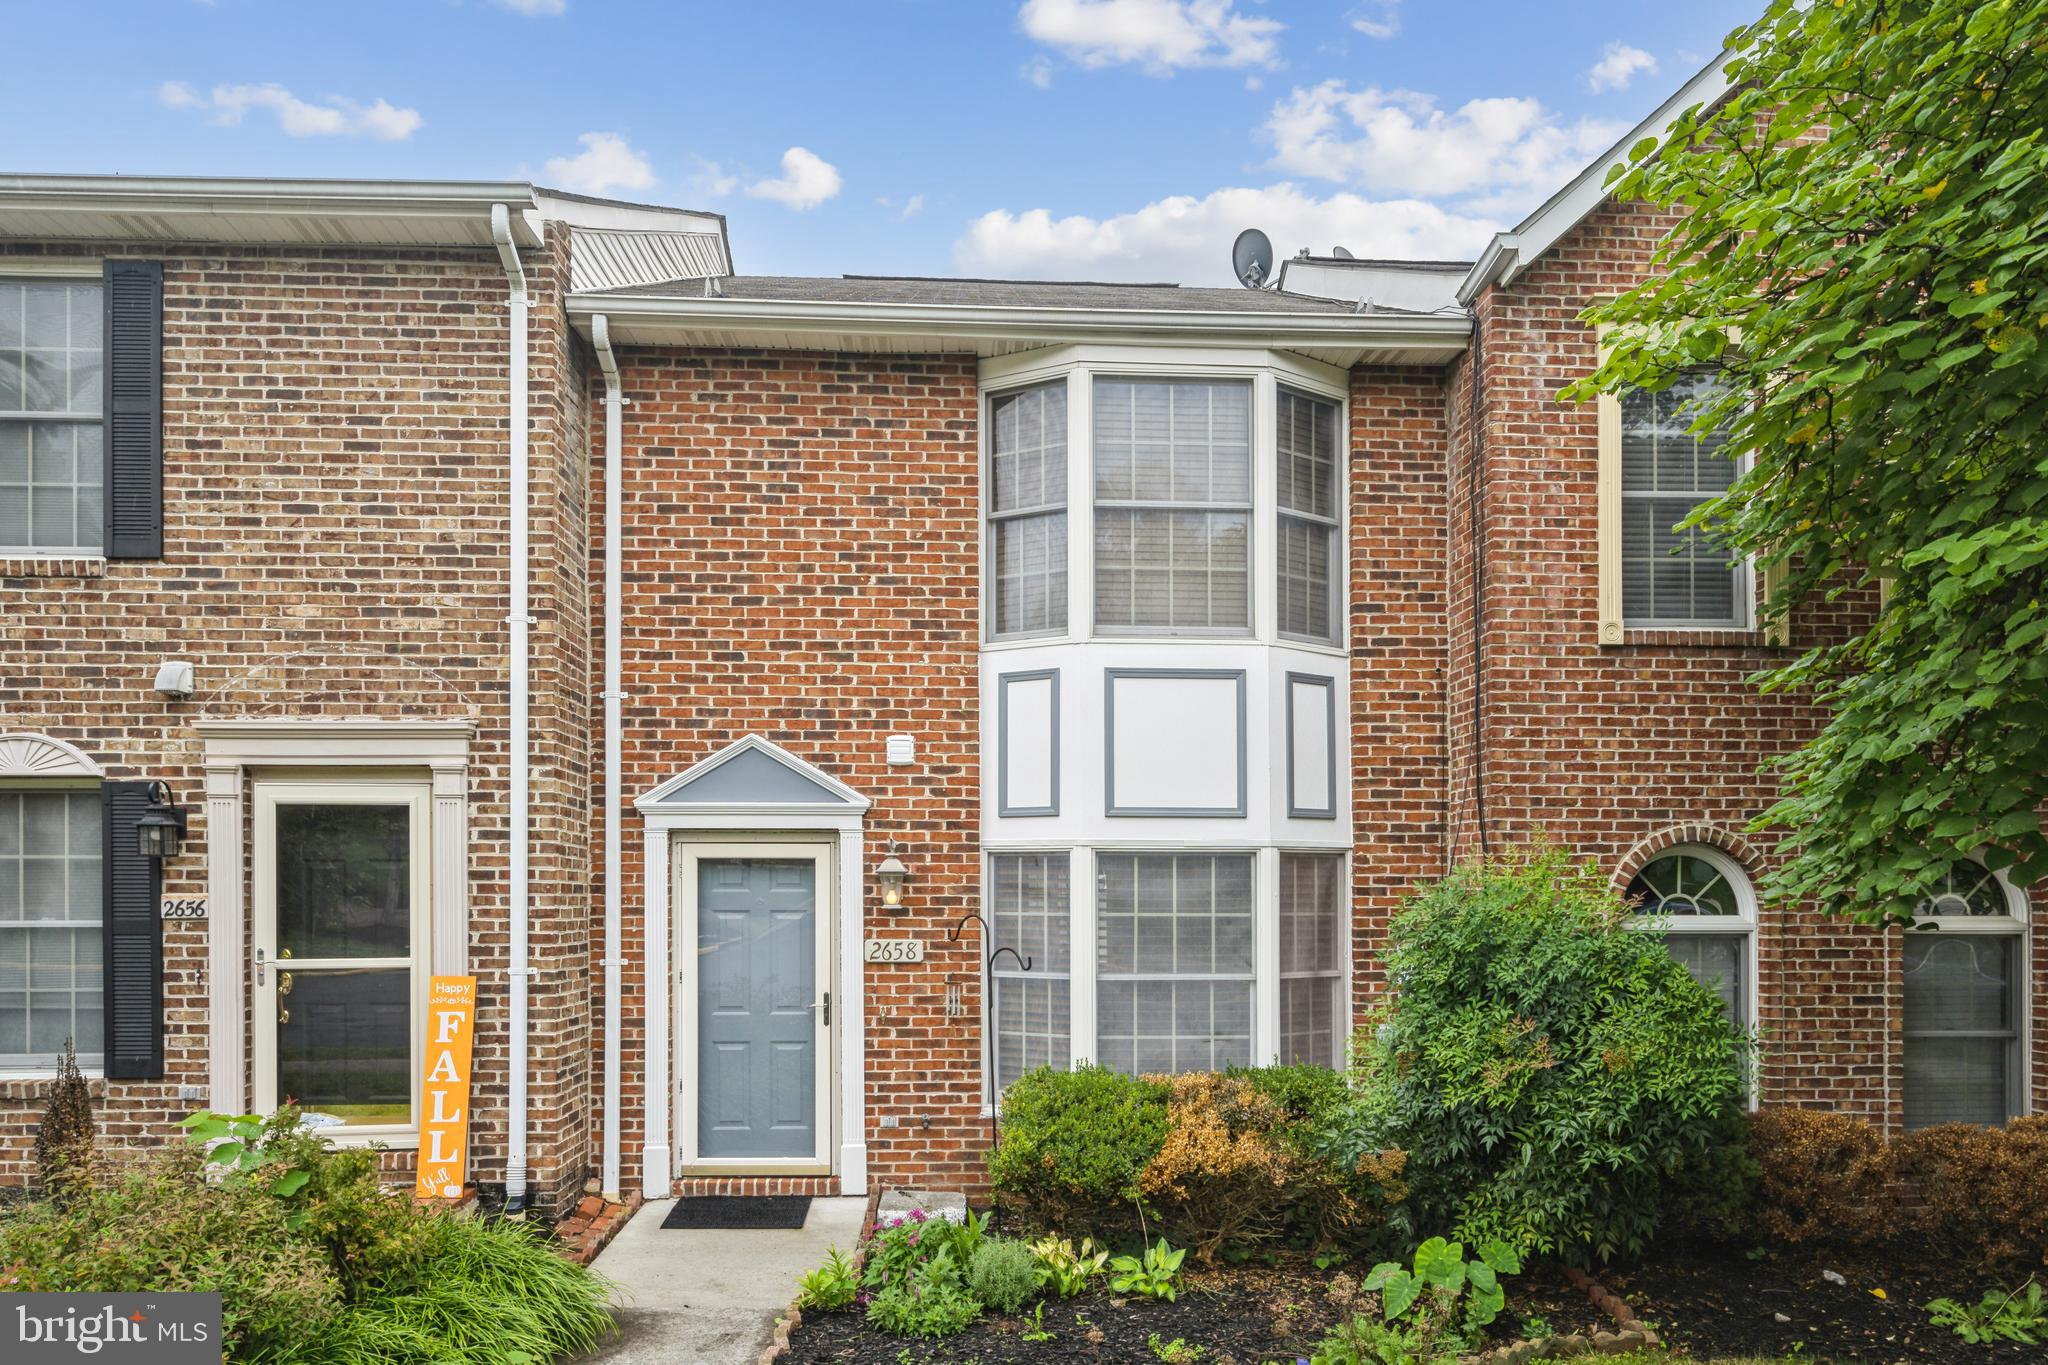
1309	731
1030	734
1178	744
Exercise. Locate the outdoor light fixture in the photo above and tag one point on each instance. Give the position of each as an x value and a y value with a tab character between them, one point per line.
892	874
160	829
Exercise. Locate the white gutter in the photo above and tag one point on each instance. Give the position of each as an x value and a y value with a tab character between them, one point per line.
632	314
614	695
517	739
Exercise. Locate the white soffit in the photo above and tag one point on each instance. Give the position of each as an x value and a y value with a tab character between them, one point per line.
1510	253
272	212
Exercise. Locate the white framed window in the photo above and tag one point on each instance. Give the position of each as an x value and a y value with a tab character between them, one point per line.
1314	1014
1965	968
52	912
1030	913
1027	511
342	935
1175	967
1706	909
1305	447
1672	576
52	442
1173	505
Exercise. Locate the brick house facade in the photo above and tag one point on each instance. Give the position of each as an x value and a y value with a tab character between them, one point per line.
1178	634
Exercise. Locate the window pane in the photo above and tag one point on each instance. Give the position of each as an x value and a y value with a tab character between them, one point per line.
1667	471
1028	902
344	881
344	1044
1961	1027
50	934
1313	898
1967	888
1029	445
1028	459
50	352
1720	962
1160	569
1030	573
1307	445
1160	440
1175	961
1681	884
1304	553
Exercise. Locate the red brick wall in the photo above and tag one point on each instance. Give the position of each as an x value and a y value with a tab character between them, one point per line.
1621	751
801	562
335	543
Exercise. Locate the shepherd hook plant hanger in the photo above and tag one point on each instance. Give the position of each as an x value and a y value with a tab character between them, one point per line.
988	1004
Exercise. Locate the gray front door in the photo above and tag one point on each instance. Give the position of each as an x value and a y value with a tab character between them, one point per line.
757	1022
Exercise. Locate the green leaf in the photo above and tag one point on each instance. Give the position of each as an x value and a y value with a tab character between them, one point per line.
1398	1294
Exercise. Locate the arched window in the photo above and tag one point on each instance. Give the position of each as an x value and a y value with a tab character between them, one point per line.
1965	999
1703	903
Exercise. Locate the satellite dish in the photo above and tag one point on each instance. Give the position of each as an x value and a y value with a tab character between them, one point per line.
1251	258
1341	254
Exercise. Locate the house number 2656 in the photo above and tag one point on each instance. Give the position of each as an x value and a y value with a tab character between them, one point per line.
184	907
893	950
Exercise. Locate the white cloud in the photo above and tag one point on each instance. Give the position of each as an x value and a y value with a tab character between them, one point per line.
710	180
1159	36
534	9
606	163
335	117
913	205
808	180
1377	18
1038	71
1618	65
1491	152
1188	239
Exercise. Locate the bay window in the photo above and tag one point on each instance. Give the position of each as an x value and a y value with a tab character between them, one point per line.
1314	1015
1305	443
1027	501
1965	1002
1028	900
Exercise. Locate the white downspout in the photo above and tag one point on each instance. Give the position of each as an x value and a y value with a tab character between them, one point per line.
517	740
614	695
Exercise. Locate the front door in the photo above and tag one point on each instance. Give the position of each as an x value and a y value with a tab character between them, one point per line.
761	1016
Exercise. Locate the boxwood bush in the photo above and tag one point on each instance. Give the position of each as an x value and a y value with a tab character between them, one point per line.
1072	1146
1558	1080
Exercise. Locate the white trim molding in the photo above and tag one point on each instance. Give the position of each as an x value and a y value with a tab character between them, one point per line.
231	748
844	819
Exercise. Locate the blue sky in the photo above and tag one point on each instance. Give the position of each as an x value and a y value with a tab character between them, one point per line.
1079	139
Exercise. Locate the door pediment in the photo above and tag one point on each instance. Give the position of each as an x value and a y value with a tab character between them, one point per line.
752	775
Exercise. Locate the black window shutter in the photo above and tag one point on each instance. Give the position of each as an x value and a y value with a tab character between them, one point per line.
134	979
135	409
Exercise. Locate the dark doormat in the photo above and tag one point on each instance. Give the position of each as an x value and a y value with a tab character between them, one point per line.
735	1211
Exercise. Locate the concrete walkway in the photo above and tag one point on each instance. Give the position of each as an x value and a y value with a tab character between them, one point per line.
690	1297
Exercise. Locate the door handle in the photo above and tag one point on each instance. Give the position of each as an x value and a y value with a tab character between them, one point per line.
259	966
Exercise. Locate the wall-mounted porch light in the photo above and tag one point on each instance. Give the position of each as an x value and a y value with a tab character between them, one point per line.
892	874
160	829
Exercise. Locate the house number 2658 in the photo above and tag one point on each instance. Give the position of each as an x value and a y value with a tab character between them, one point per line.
893	950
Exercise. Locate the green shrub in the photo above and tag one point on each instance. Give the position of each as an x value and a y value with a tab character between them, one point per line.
1304	1094
1002	1274
932	1302
832	1286
1073	1144
1558	1081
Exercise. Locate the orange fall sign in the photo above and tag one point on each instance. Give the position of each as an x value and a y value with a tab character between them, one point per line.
444	1093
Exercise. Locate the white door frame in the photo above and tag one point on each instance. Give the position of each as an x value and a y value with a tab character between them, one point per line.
338	790
842	819
688	852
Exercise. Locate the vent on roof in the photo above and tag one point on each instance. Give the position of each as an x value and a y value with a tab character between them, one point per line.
607	258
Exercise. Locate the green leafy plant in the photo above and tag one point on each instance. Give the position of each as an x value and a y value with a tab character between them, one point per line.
1175	1352
1556	1079
1065	1270
1152	1275
1870	302
2013	1316
831	1286
1036	1330
932	1301
895	1252
1073	1145
1441	1303
1002	1274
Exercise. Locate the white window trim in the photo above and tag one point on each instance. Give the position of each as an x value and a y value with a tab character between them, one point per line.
76	270
340	790
1614	625
2015	923
1744	922
231	750
1265	370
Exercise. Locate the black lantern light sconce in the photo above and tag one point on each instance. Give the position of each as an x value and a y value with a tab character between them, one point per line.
160	829
891	873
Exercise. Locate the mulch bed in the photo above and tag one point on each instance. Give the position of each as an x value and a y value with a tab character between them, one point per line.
1238	1316
1728	1301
